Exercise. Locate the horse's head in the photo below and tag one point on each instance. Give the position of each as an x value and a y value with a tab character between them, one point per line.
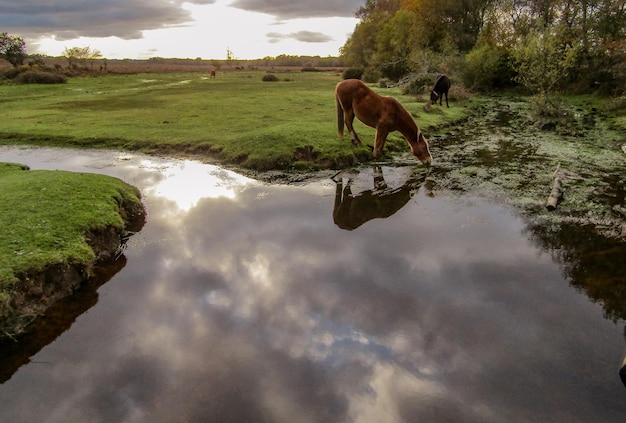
433	97
420	149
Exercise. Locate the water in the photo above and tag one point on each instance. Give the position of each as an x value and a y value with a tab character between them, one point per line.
243	301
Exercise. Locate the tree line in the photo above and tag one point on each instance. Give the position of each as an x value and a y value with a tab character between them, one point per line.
13	50
544	45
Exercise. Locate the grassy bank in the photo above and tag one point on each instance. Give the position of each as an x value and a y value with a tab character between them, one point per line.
55	221
236	118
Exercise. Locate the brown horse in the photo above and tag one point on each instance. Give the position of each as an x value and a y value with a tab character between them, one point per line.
352	210
386	114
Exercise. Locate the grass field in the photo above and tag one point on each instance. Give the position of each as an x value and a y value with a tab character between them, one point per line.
236	118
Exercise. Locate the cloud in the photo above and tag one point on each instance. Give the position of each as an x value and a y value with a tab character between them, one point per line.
170	28
302	36
288	9
127	19
69	19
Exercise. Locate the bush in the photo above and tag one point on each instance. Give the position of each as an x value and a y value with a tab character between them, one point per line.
371	74
616	104
352	73
269	77
541	60
458	93
40	77
546	107
394	71
14	72
419	84
486	68
385	83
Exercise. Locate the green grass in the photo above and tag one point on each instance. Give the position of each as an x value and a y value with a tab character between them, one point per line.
236	118
45	216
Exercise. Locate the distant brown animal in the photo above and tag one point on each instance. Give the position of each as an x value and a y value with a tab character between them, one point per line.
442	86
386	114
212	73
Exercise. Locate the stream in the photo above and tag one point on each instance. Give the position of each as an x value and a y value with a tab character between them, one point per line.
369	297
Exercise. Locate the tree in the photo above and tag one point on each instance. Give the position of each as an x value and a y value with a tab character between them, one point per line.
376	7
230	56
541	61
71	54
441	24
94	55
80	54
490	34
597	28
13	49
361	48
394	45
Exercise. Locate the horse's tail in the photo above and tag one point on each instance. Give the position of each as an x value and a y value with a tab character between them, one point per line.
340	118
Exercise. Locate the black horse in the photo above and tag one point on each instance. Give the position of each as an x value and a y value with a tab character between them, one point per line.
442	85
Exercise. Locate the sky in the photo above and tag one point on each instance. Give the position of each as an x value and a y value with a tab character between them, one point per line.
140	29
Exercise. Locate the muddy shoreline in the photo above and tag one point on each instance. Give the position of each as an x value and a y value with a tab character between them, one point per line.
37	291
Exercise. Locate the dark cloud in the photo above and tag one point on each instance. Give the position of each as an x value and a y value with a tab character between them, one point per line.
303	36
288	9
68	19
126	19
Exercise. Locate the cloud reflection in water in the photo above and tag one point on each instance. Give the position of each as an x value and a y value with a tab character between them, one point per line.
255	306
185	182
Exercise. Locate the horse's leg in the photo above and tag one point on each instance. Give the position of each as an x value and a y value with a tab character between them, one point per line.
381	137
447	105
348	113
340	117
379	179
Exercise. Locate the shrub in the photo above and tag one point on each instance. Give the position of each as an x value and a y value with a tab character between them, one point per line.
616	104
14	72
546	107
419	84
385	83
270	77
371	74
352	73
541	60
486	68
40	77
458	92
395	70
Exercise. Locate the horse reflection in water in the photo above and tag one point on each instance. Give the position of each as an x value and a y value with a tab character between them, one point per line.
352	210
